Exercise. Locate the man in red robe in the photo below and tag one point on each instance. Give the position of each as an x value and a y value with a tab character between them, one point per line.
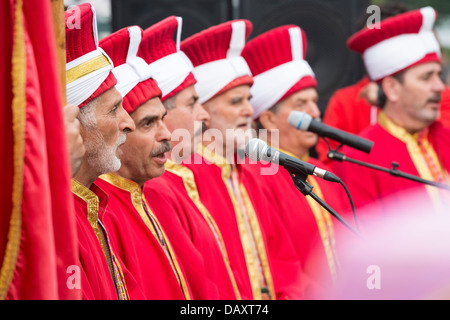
104	126
310	226
136	233
352	108
214	195
348	110
270	268
408	72
194	234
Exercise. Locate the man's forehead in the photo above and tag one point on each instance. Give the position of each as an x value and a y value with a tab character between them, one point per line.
304	94
423	68
187	93
108	100
152	107
240	92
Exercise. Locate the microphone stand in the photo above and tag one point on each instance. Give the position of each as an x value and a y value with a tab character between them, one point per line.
334	155
306	189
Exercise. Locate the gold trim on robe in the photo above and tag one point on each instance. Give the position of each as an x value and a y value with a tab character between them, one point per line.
92	204
246	239
18	107
138	199
92	207
411	141
189	183
323	220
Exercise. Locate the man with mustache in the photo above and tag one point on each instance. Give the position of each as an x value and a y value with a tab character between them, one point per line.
263	260
351	108
174	197
403	56
104	125
136	233
310	226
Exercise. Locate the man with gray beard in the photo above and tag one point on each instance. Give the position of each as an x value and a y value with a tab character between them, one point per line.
102	149
103	128
264	261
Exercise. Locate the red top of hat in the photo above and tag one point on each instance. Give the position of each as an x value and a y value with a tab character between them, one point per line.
81	39
158	42
117	46
213	44
80	31
408	22
411	22
274	48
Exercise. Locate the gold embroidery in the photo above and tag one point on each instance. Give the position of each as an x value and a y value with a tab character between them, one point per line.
122	289
416	156
86	67
259	242
135	193
18	75
137	199
92	205
189	183
325	226
245	237
323	220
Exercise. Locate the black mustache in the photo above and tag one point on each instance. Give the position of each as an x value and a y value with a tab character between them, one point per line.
435	98
163	148
201	130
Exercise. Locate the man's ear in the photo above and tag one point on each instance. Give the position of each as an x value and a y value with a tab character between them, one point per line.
391	88
267	119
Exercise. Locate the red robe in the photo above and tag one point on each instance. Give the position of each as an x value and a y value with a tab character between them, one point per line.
286	267
98	281
37	220
135	240
445	107
311	228
189	226
214	195
349	112
279	263
386	194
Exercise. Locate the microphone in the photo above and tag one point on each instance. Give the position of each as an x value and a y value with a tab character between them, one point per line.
258	150
305	122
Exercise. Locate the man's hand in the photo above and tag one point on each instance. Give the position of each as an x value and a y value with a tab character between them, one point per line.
370	93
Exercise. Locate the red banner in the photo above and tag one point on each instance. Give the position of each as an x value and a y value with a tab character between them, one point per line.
38	246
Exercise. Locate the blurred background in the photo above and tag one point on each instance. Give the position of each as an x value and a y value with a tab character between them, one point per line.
327	24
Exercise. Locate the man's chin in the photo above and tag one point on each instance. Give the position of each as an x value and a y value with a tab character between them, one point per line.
158	172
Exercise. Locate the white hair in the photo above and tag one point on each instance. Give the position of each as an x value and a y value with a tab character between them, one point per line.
98	154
